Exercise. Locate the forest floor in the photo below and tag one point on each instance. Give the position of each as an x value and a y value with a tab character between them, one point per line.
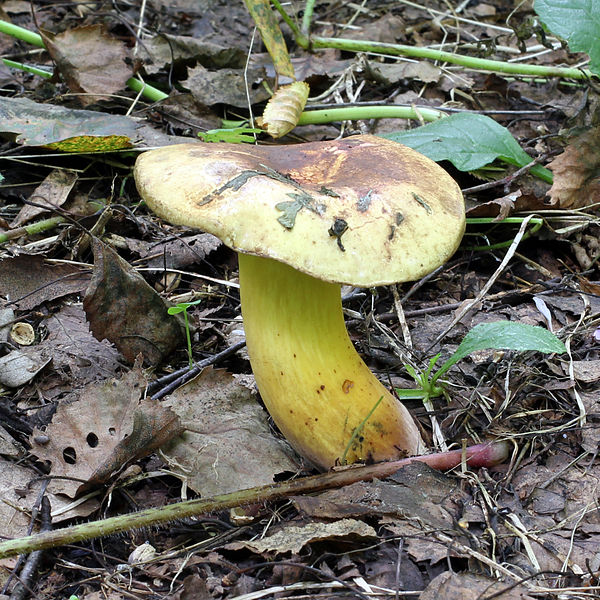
72	394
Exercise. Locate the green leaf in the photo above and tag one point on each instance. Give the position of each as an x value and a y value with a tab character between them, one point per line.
182	307
577	21
263	16
236	135
508	335
504	335
468	141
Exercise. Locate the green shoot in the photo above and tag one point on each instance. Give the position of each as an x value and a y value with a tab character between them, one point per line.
357	431
499	335
182	308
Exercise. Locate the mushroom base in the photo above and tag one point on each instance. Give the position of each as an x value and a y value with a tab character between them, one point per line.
318	390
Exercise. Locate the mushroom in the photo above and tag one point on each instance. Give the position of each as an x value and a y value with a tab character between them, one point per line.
305	219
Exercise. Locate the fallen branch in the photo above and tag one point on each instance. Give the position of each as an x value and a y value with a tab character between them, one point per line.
481	455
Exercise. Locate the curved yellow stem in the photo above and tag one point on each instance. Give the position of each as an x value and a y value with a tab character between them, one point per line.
313	382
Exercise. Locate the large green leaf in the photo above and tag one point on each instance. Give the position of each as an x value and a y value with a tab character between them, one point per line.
508	335
577	21
504	335
468	141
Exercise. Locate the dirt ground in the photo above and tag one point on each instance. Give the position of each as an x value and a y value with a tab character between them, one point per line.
90	417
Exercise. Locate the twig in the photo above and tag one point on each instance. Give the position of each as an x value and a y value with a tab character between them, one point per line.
178	378
475	456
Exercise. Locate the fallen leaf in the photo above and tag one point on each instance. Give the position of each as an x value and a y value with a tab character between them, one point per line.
18	367
228	445
75	350
87	440
292	538
91	62
167	49
123	308
36	124
576	179
227	86
500	208
52	192
468	586
19	494
29	280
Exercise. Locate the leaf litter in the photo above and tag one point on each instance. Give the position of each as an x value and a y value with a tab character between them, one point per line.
525	529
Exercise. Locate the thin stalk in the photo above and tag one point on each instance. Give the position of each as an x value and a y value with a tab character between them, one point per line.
537	223
27	68
309	8
481	455
353	113
469	62
32	229
301	39
20	33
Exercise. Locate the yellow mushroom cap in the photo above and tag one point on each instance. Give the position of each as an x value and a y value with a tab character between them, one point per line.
363	210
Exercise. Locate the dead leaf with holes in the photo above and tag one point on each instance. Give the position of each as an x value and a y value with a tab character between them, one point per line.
109	426
576	179
91	62
227	444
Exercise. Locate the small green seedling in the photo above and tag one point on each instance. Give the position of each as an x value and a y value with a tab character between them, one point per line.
182	308
500	335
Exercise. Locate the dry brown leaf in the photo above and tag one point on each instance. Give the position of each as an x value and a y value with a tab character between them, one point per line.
576	172
231	446
52	192
18	496
124	309
292	538
29	280
499	208
468	586
90	61
86	439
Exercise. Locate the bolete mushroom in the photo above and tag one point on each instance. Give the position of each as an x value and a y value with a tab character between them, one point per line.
306	218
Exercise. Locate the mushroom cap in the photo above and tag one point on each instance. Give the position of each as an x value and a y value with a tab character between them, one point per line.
362	210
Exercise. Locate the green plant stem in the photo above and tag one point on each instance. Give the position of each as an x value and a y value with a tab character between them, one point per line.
309	8
537	223
35	39
469	62
298	35
353	113
32	229
481	455
27	68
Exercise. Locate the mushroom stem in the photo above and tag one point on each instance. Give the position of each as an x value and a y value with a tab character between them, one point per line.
318	390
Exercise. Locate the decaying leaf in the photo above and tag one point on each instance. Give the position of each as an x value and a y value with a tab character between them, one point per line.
228	444
52	192
577	172
124	309
226	86
292	538
90	61
92	438
29	280
470	586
